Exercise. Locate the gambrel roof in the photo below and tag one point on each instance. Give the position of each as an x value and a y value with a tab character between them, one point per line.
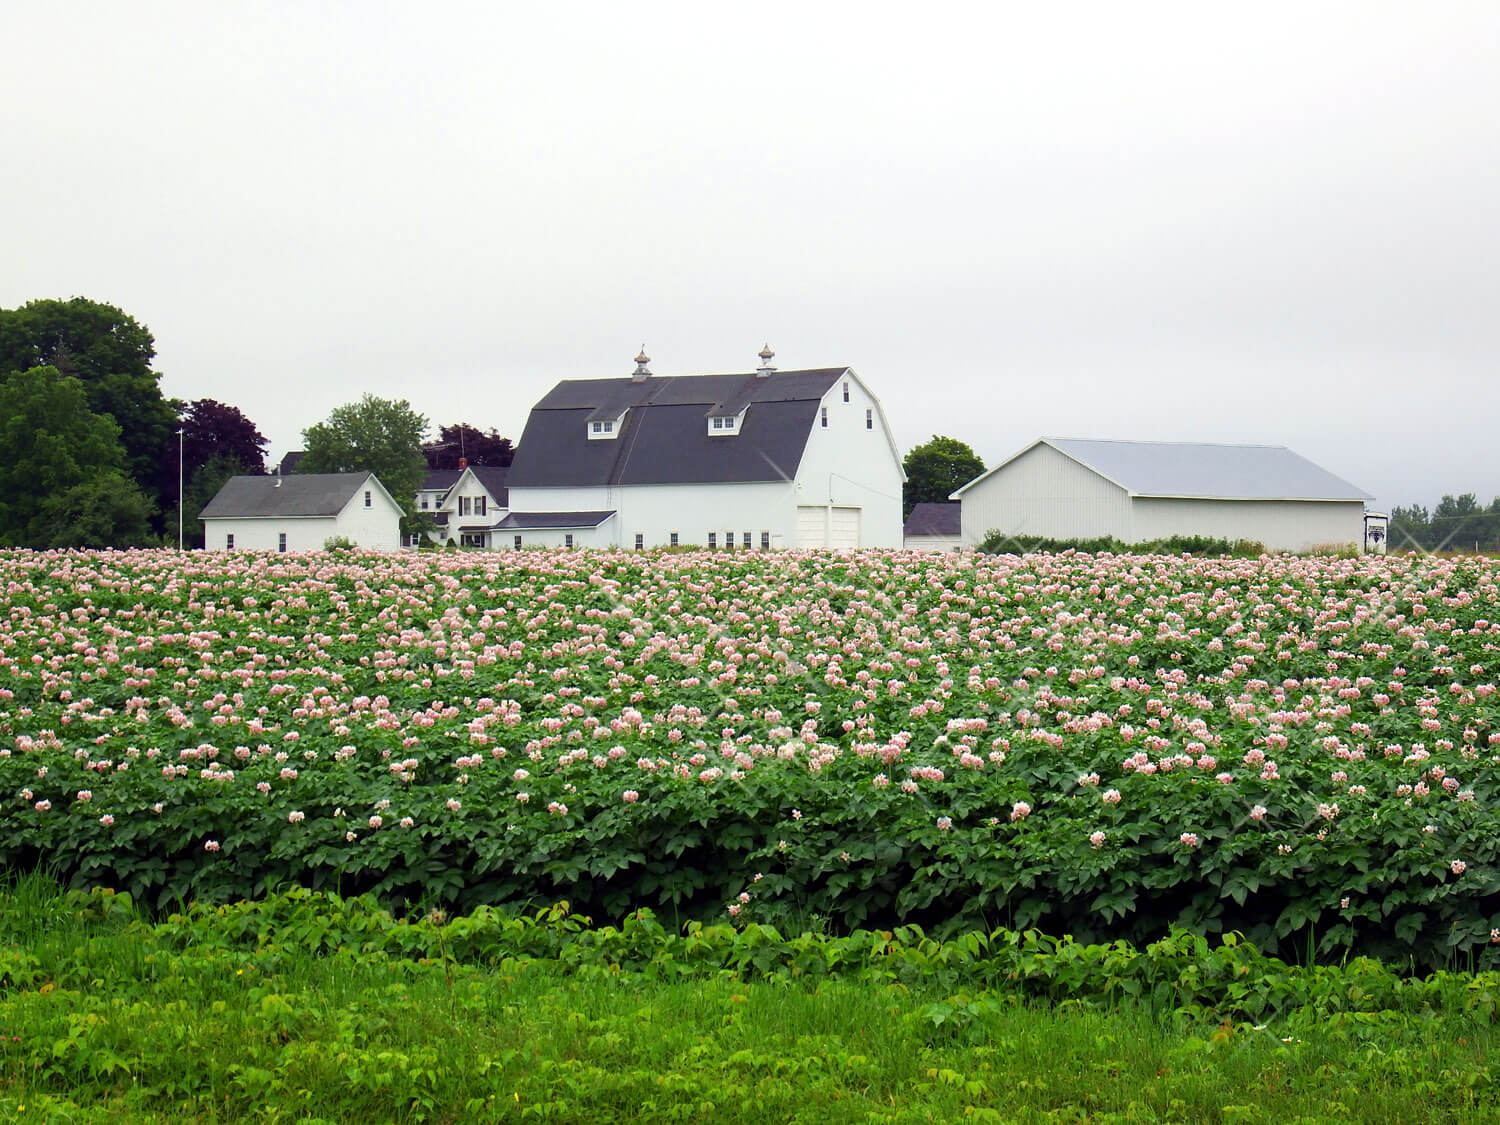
1198	470
299	495
665	437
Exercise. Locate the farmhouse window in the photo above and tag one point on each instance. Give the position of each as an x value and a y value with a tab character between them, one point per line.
846	390
518	542
481	505
367	498
713	540
229	541
745	540
281	542
673	539
869	419
640	540
765	540
568	540
824	417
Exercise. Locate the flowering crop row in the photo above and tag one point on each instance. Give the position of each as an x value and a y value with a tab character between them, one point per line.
1097	744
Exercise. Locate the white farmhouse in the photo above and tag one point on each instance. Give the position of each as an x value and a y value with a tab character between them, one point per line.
301	513
1135	491
760	460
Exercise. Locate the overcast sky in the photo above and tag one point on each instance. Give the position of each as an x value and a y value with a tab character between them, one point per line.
1109	220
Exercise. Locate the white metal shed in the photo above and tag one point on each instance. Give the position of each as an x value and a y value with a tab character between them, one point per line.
1135	491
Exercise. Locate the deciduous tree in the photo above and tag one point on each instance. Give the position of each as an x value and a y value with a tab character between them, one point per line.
110	354
936	468
214	430
50	442
379	435
474	445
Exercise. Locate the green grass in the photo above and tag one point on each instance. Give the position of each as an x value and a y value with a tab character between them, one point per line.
106	1017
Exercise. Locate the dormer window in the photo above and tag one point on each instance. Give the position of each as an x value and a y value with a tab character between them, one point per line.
606	429
723	425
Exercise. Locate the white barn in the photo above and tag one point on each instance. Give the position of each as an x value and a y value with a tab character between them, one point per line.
1136	491
301	513
761	460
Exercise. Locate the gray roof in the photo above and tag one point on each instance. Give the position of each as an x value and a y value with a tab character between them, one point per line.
299	495
493	478
665	438
440	480
288	464
1202	471
542	521
934	519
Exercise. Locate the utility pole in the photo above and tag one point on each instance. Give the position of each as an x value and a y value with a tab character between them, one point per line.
179	488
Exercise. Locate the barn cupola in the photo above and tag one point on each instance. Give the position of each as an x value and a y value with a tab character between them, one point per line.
766	356
642	372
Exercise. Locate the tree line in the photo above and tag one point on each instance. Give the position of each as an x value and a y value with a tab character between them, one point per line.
93	454
1458	523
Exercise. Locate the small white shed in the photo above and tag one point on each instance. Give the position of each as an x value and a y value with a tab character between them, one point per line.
1137	491
301	513
933	527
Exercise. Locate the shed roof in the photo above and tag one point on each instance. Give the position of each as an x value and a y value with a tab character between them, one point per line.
934	519
1199	470
300	495
545	521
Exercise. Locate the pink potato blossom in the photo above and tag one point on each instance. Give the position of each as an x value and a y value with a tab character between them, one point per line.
1189	838
296	816
1096	838
630	796
210	845
1458	867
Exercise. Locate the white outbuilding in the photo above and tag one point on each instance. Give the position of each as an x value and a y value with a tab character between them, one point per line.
1136	491
933	527
301	512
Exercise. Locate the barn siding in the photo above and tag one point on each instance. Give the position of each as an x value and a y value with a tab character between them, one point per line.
1042	492
1282	525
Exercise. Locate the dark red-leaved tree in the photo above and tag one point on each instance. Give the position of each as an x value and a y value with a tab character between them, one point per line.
214	431
470	443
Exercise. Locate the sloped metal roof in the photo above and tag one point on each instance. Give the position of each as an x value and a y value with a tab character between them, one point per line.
1199	470
299	495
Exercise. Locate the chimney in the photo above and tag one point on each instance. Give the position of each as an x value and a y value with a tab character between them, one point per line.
765	368
463	463
642	372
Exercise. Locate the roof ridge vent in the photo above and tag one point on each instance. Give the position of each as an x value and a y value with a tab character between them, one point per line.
766	356
642	372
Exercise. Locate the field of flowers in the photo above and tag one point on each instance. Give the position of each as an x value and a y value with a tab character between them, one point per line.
1303	750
